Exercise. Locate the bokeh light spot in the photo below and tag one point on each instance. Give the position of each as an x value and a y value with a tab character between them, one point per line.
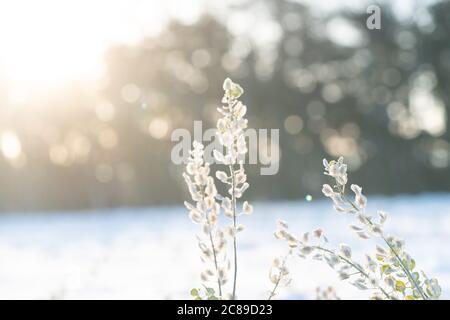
293	124
158	128
10	145
130	93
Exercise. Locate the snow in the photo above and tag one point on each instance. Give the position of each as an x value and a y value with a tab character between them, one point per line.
152	253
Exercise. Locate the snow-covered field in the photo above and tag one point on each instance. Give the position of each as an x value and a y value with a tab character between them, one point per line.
152	253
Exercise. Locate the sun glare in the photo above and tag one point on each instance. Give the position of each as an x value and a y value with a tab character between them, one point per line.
45	43
10	145
49	43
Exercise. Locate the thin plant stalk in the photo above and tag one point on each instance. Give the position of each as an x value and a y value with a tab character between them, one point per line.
233	202
277	283
215	260
354	266
406	271
216	265
402	265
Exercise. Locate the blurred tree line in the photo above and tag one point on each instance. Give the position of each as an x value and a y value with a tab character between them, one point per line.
380	98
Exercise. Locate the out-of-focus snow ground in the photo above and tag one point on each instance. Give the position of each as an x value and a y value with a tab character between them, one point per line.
152	253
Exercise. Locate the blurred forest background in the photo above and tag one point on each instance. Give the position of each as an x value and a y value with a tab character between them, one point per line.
380	98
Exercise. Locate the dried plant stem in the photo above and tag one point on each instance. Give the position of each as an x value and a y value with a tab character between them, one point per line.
349	262
272	293
401	263
215	260
216	265
277	283
230	132
233	199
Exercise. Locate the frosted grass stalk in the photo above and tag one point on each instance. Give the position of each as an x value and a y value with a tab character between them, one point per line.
209	203
231	133
386	270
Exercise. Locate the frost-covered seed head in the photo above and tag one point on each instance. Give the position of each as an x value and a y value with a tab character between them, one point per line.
337	170
327	190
